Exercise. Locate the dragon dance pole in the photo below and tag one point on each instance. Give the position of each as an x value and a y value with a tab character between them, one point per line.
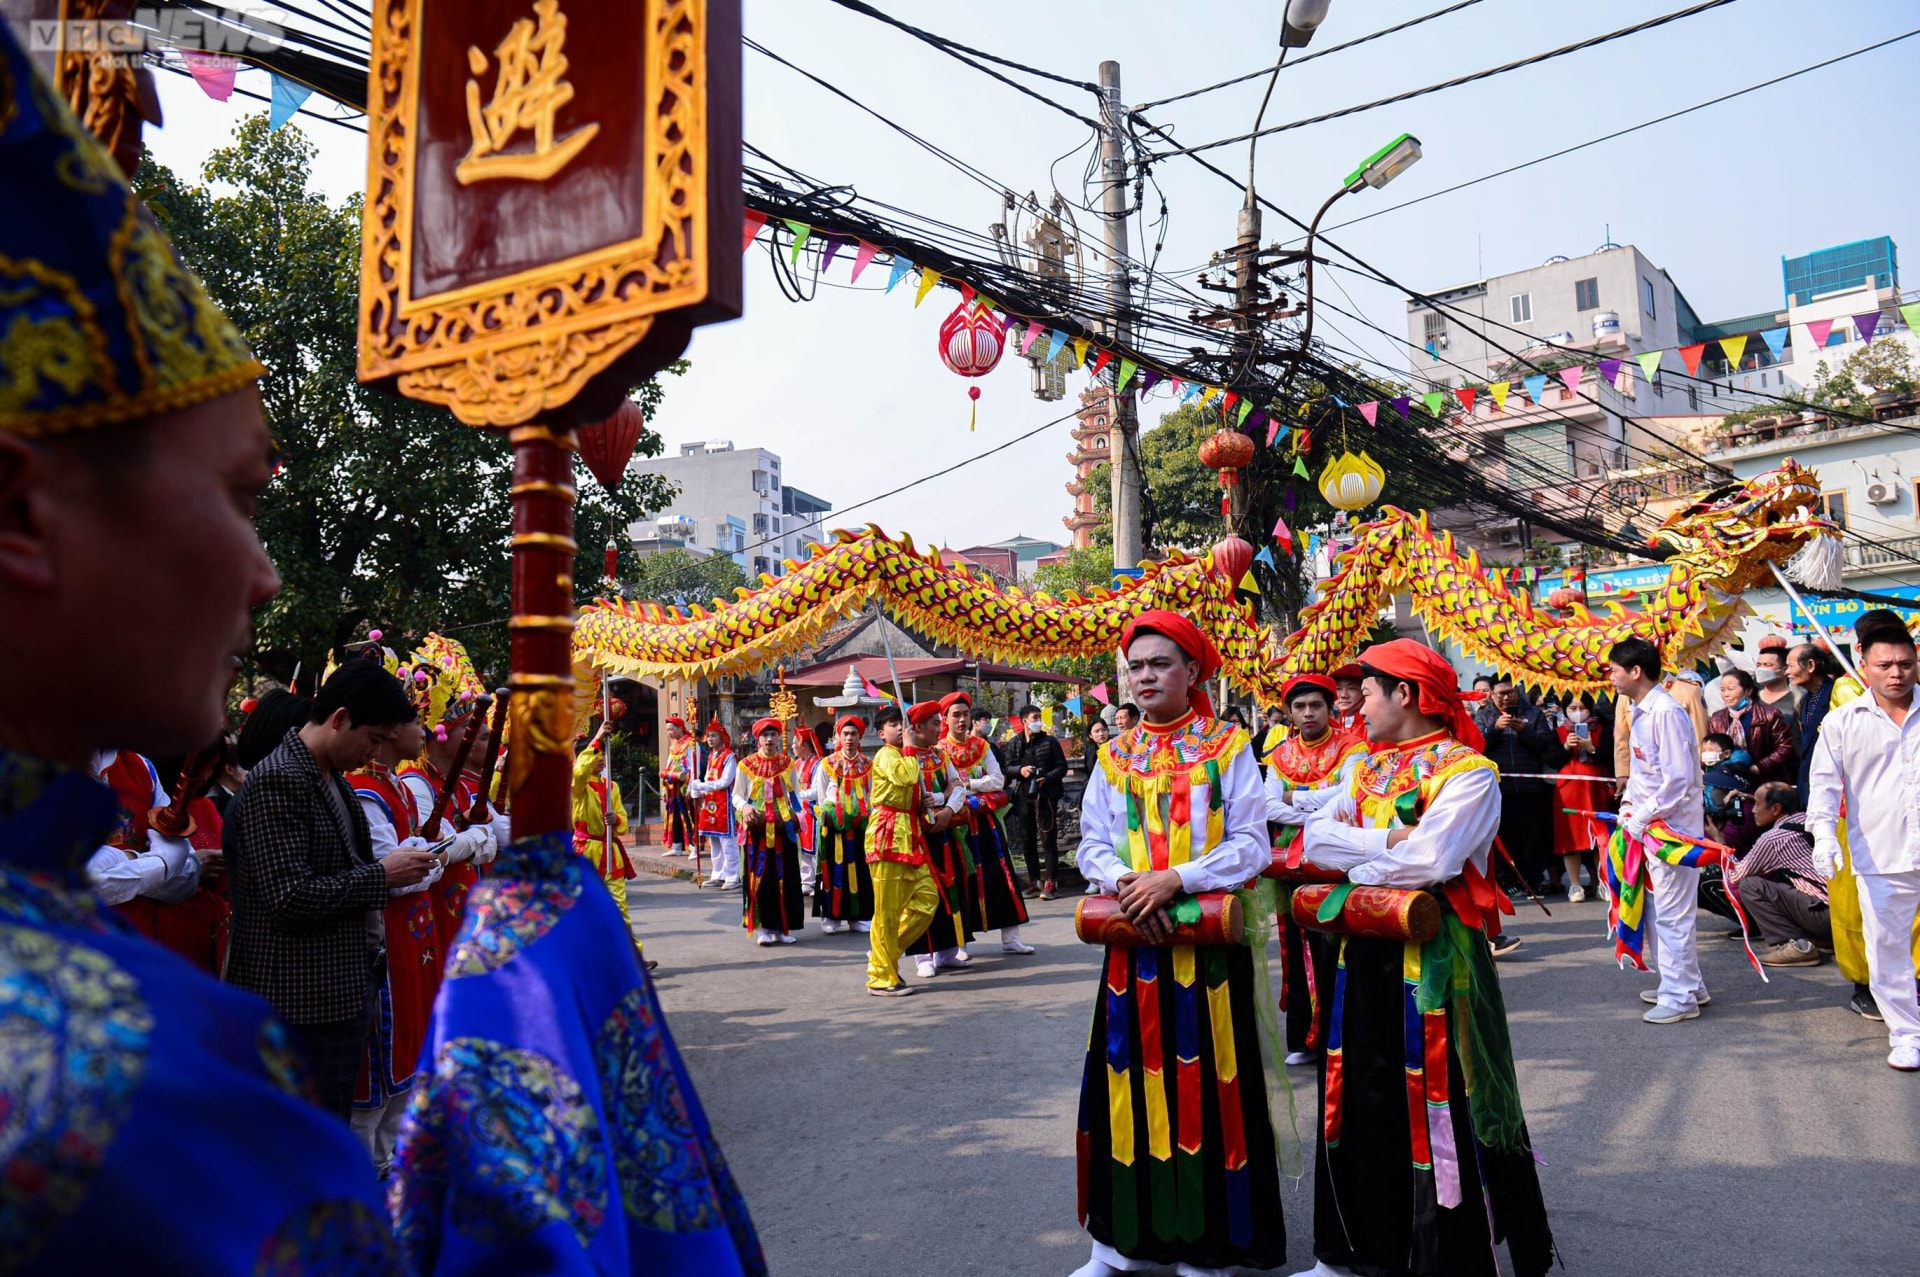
540	771
1814	621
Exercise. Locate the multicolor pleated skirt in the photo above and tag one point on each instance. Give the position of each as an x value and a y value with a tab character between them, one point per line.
1176	1153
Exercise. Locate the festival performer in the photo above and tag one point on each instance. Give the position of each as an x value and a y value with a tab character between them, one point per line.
904	895
767	810
131	444
1663	783
444	716
414	957
596	804
982	824
1348	711
945	944
679	766
1312	764
1863	767
151	880
713	807
1423	1160
843	898
1177	1161
800	778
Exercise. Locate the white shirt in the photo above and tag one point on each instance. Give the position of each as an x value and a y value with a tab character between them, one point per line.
1663	782
728	772
1243	851
991	779
167	870
1290	804
380	825
1458	826
479	843
1862	756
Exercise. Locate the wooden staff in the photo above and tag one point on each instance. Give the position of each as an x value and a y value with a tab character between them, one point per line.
483	805
200	767
451	781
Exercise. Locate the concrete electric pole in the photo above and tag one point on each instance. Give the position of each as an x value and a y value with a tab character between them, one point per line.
1125	431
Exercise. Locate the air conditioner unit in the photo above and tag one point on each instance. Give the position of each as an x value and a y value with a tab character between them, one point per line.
1509	538
1882	494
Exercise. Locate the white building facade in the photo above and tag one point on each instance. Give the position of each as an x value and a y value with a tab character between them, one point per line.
732	501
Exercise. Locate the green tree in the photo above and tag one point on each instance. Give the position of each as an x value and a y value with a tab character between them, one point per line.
1081	572
676	576
384	512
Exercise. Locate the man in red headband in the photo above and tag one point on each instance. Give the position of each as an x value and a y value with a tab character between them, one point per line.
681	765
1311	765
769	813
994	890
944	946
1430	1193
1346	700
904	896
1173	821
843	898
713	808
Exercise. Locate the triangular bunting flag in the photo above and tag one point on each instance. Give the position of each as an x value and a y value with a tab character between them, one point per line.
1193	388
1690	356
801	234
1302	441
1080	348
966	293
1911	313
1610	371
1434	399
1099	692
899	271
1649	363
290	95
1776	339
1246	585
1273	428
1245	408
1283	534
1127	369
862	258
1536	387
1210	394
1370	412
1265	556
1466	395
1500	390
213	72
754	221
1300	468
1570	377
834	244
1819	330
1226	405
1149	378
1101	361
928	278
1402	405
1735	349
1034	330
1055	340
1866	324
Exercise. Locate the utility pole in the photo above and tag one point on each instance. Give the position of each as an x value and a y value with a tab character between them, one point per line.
1125	432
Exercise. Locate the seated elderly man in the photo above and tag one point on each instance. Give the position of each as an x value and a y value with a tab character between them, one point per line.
1777	884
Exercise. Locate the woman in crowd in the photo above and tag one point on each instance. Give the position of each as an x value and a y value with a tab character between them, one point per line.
1575	838
1757	729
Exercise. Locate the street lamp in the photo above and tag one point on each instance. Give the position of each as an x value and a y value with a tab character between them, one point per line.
1302	19
1385	164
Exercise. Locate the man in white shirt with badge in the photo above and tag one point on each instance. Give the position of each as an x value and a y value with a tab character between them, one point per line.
1866	767
1663	784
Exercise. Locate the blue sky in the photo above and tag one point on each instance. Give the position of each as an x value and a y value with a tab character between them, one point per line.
849	389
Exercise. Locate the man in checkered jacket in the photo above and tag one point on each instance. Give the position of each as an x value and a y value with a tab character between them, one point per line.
308	928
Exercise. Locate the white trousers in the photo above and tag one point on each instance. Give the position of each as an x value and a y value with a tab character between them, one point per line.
379	1130
1888	903
1672	938
725	853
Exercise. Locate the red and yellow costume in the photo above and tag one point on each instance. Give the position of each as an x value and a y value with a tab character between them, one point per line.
904	897
195	927
845	893
596	804
771	899
949	860
982	828
414	956
676	770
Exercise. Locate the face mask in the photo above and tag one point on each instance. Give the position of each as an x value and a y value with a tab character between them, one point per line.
1578	714
1769	676
1740	705
1711	760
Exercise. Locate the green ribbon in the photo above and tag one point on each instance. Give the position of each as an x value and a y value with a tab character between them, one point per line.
1336	901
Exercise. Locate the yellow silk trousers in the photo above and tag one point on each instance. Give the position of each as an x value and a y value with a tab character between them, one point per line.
904	901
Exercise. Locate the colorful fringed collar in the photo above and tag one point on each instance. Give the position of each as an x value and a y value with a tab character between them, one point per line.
765	766
1146	749
844	769
964	755
1303	764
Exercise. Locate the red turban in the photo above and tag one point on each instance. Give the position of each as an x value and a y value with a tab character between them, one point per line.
724	735
951	699
765	725
806	734
1186	636
922	711
854	719
1306	683
1436	681
1349	671
674	720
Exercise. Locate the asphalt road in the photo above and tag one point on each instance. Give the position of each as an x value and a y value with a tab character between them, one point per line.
934	1134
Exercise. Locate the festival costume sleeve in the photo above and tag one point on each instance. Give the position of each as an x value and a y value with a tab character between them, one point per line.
992	780
1279	795
1332	843
1458	826
118	877
1308	801
1100	813
956	787
380	830
422	791
1243	850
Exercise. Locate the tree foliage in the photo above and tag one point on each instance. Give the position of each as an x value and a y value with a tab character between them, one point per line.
384	512
1081	572
677	576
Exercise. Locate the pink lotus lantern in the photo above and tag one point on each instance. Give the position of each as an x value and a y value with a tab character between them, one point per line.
972	339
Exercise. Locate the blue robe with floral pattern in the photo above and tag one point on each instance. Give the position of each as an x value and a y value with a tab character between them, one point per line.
553	1127
152	1119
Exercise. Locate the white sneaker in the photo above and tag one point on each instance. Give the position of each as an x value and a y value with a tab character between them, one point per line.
765	938
960	959
1093	889
1904	1058
788	939
925	967
1301	1057
1094	1268
1663	1014
1652	996
729	884
863	926
1016	945
1575	896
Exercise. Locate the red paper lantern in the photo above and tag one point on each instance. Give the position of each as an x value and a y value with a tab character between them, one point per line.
1565	597
972	339
1231	559
607	446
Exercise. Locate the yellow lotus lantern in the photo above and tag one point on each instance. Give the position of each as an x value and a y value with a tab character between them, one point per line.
1352	483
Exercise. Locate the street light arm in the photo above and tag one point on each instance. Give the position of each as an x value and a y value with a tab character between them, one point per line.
1306	331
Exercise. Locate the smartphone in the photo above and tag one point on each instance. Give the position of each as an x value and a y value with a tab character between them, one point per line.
440	847
1583	731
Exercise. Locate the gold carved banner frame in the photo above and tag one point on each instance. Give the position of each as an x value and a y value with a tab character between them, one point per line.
500	352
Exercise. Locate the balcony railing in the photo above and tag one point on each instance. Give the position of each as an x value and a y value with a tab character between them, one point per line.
1900	552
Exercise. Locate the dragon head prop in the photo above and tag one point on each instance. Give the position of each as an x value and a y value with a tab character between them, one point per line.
1732	532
